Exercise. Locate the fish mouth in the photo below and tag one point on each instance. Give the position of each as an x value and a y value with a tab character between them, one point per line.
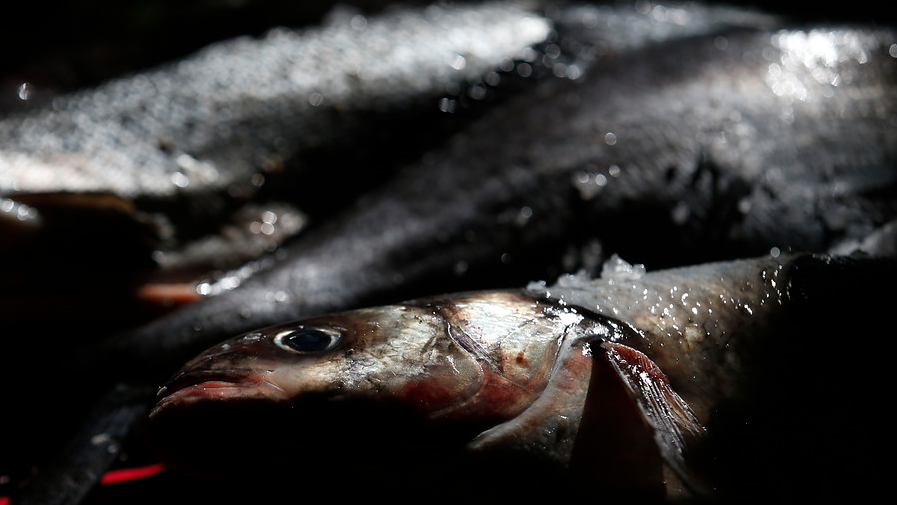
217	385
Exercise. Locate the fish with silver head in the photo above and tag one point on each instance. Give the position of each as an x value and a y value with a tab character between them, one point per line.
633	383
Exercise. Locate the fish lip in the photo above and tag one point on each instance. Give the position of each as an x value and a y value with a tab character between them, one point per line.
190	378
221	384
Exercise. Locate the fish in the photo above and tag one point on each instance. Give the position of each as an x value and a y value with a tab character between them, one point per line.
719	146
218	117
620	385
237	110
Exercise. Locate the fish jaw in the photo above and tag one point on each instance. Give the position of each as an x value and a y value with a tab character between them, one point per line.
197	386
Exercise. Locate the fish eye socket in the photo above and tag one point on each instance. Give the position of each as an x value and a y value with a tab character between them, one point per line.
304	340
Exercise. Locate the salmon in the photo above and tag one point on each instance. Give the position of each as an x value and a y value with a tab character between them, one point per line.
618	383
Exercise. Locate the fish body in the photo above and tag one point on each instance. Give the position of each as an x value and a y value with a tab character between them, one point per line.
504	386
244	107
220	116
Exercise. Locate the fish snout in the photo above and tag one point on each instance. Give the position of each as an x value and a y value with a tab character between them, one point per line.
228	353
192	377
193	385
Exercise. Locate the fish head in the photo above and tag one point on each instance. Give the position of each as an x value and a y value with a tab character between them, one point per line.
380	386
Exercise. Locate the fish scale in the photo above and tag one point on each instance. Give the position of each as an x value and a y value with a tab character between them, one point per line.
216	116
682	319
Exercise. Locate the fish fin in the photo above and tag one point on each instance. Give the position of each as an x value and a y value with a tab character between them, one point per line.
568	433
607	413
615	443
674	426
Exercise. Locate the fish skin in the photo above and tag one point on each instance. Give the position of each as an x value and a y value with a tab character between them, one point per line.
675	310
388	347
715	155
193	138
127	126
170	121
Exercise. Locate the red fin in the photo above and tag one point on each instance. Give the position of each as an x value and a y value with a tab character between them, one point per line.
673	424
615	444
608	417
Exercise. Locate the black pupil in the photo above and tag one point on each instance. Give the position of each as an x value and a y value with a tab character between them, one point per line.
308	340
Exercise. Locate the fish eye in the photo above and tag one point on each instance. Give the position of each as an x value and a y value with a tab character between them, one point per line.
303	340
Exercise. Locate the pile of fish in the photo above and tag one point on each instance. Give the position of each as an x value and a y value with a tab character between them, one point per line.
270	228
